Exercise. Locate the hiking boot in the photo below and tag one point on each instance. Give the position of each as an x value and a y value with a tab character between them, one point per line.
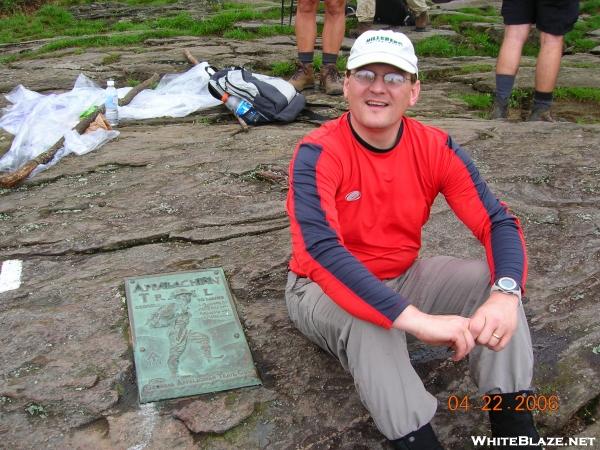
304	77
331	82
360	29
421	22
422	439
499	110
508	422
541	114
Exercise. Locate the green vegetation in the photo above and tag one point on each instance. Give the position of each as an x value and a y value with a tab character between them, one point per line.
520	97
111	59
283	69
14	6
239	34
580	94
274	30
476	68
457	21
263	31
36	410
478	100
470	43
51	21
590	7
489	11
48	21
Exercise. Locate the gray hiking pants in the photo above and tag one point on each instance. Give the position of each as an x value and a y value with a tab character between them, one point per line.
378	358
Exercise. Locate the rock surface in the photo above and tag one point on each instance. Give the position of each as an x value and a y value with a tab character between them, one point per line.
173	195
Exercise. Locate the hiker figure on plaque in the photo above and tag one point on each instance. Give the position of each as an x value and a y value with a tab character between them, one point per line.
177	317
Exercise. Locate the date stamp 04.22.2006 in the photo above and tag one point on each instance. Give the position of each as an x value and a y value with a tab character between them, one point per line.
490	402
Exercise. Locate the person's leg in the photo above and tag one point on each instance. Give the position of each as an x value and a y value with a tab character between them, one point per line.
333	35
365	12
446	285
546	74
417	6
509	56
376	358
507	66
518	17
306	35
419	9
306	25
555	19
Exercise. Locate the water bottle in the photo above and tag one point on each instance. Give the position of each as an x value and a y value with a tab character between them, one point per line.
241	108
112	104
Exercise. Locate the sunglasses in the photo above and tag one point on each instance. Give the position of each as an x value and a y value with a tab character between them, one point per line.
367	77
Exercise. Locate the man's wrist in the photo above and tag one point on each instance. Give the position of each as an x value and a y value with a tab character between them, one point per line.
408	320
507	286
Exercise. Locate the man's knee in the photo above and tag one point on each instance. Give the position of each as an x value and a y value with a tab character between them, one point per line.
335	7
307	6
551	40
480	272
517	33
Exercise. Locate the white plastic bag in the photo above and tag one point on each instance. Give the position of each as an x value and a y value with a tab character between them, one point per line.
39	121
176	95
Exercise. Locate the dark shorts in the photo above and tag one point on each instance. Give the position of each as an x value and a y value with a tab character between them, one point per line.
550	16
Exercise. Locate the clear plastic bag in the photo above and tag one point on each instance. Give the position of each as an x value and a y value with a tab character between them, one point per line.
176	95
39	121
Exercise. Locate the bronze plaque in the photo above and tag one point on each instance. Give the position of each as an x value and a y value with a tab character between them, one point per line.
187	337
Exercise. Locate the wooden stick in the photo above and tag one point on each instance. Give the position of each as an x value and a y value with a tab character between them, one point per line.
195	62
12	179
190	57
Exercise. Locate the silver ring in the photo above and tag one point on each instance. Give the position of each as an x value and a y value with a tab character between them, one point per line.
496	336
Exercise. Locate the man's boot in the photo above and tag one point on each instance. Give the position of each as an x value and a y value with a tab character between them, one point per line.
360	29
540	114
421	21
511	423
422	439
499	110
331	82
304	77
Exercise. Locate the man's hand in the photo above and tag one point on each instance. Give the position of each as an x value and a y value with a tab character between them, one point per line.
449	331
494	322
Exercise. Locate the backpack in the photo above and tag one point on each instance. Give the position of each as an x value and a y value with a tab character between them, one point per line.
393	12
273	98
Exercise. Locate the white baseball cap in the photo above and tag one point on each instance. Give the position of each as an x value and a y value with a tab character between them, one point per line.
383	46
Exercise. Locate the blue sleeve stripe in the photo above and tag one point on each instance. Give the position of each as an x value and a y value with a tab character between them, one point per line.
507	249
322	243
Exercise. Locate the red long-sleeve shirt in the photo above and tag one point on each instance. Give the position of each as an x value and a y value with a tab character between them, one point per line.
356	213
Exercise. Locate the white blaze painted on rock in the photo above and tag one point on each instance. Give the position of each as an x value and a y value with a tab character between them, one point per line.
10	275
149	414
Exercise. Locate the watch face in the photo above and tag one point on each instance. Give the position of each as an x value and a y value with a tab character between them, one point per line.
507	283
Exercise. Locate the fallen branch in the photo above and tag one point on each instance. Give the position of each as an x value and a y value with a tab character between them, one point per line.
195	62
19	175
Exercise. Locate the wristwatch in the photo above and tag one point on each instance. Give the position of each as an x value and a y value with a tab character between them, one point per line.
508	286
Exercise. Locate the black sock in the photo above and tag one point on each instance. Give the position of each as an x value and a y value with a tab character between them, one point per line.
542	100
329	58
306	57
504	85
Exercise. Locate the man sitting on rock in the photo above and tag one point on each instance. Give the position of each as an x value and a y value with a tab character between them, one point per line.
361	189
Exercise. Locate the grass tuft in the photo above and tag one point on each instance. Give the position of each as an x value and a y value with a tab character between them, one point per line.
283	69
580	94
478	101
